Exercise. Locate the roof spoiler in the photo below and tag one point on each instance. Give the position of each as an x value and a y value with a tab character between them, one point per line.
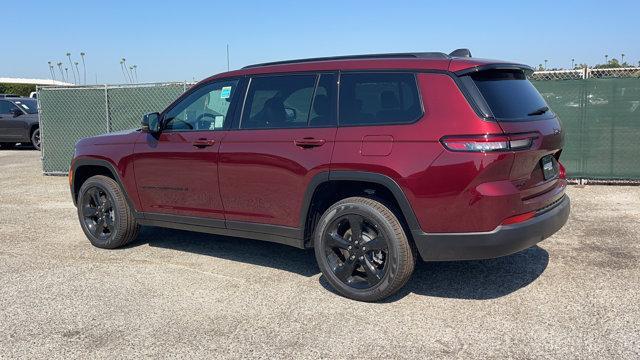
528	70
460	53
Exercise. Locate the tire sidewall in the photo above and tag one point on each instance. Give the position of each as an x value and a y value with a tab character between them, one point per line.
33	136
393	258
101	184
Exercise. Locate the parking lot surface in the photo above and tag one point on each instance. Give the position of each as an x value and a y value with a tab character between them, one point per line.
175	294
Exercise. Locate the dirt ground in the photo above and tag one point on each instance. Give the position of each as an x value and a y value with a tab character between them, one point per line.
177	294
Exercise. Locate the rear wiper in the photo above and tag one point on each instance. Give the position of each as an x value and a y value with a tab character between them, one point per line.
540	111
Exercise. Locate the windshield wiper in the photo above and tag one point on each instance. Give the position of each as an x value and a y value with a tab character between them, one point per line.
540	111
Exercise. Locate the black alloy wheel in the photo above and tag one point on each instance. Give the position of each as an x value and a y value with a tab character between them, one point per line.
98	213
356	251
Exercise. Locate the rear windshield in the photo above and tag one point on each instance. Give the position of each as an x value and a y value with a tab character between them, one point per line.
510	95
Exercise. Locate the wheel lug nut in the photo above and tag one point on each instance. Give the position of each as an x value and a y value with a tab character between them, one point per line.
361	257
350	247
353	257
364	248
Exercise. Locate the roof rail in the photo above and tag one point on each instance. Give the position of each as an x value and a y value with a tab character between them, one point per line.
420	55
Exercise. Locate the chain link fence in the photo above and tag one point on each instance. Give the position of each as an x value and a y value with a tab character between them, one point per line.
68	114
599	109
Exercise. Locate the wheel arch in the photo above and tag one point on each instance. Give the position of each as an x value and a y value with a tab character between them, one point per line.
334	182
83	169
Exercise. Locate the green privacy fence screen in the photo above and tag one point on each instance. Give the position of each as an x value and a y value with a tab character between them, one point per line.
68	114
601	118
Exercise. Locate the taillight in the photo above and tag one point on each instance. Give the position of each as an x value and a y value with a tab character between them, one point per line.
489	143
562	172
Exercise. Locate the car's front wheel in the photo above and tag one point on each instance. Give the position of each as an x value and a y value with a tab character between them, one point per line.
105	215
35	139
363	250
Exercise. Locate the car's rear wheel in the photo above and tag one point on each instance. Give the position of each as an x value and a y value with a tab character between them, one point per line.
363	250
35	139
105	215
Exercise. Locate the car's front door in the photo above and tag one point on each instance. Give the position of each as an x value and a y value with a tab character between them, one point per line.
12	128
284	138
176	171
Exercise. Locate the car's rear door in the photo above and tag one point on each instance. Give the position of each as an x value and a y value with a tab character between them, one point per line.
176	171
285	137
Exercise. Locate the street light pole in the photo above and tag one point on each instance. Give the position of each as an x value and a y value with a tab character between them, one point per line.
71	64
84	67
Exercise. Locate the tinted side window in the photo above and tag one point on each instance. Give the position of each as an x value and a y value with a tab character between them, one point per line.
509	94
281	101
204	109
6	106
378	98
323	111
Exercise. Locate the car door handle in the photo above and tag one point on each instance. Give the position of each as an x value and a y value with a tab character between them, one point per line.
202	143
309	142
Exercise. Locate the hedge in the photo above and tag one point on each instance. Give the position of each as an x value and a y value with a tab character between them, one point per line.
17	89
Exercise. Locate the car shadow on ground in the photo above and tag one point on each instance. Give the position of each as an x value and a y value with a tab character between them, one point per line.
473	280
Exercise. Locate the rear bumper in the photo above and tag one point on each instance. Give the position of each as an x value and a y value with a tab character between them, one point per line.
504	240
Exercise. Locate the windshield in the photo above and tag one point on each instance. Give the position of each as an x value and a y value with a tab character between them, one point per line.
28	106
510	95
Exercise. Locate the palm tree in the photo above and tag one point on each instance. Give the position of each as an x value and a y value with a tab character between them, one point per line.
66	71
621	59
71	64
573	61
84	67
135	70
61	73
606	59
545	64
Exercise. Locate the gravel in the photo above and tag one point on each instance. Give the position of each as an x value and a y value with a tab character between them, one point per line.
177	294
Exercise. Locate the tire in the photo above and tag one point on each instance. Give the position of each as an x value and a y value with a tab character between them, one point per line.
104	214
356	262
35	139
7	146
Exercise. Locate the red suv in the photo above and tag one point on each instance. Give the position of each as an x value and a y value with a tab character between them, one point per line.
372	160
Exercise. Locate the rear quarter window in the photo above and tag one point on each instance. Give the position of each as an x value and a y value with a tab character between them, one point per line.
378	98
509	94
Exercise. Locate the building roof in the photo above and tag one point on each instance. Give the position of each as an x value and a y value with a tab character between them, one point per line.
8	80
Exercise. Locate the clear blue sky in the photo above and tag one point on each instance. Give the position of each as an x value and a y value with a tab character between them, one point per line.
185	39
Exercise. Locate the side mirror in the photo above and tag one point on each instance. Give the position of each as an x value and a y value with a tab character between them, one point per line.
150	123
16	112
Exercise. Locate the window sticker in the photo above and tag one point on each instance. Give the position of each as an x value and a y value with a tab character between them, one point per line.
226	92
219	120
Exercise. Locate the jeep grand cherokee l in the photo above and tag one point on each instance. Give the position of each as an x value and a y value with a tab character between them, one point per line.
371	160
